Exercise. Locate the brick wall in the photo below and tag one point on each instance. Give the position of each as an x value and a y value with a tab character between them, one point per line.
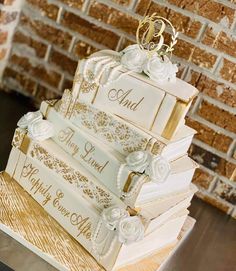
53	35
9	14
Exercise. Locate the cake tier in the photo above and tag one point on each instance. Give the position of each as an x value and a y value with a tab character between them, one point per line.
83	221
160	108
64	167
88	151
26	221
121	135
81	182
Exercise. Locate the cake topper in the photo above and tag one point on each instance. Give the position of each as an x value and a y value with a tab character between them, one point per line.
148	56
150	35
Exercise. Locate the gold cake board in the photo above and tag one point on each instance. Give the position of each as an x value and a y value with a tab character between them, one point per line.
26	221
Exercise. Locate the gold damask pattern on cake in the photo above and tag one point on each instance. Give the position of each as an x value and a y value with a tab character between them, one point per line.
74	177
65	103
109	128
18	137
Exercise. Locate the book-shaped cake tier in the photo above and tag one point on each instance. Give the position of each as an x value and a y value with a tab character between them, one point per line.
138	84
48	238
108	161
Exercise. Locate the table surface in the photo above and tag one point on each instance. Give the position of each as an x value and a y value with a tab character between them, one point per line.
211	246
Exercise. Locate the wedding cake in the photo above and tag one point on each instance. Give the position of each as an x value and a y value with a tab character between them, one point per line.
108	161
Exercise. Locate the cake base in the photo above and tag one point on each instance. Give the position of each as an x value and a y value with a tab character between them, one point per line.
25	220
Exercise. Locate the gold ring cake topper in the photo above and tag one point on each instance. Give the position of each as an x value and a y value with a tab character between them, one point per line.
150	36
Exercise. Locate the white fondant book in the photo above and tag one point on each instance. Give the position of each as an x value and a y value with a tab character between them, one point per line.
104	162
123	136
80	218
83	183
66	169
153	209
182	171
158	107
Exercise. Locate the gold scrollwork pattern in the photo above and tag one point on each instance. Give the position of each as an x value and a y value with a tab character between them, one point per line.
72	176
18	137
108	128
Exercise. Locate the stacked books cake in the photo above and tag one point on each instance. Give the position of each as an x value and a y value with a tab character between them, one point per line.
108	161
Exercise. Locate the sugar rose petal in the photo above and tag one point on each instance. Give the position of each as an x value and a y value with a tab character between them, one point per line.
40	130
29	118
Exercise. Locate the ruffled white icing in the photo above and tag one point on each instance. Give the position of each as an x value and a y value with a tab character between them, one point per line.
156	167
112	215
160	70
40	130
133	58
130	229
29	118
137	161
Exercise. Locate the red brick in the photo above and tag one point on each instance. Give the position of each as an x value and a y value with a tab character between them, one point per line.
211	10
181	69
39	48
202	58
225	191
183	49
38	71
90	30
26	83
83	49
228	71
49	10
225	168
3	37
185	24
220	41
212	88
49	33
44	93
67	84
209	136
212	161
122	2
3	52
64	62
7	17
217	116
143	6
181	22
223	206
113	17
160	10
7	2
74	3
202	179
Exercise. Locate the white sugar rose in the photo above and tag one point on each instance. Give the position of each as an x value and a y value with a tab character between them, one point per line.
40	130
137	161
130	230
133	58
158	169
160	70
29	118
112	215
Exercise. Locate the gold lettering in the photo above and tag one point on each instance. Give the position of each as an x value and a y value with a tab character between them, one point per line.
56	203
37	186
122	97
87	157
66	137
83	225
